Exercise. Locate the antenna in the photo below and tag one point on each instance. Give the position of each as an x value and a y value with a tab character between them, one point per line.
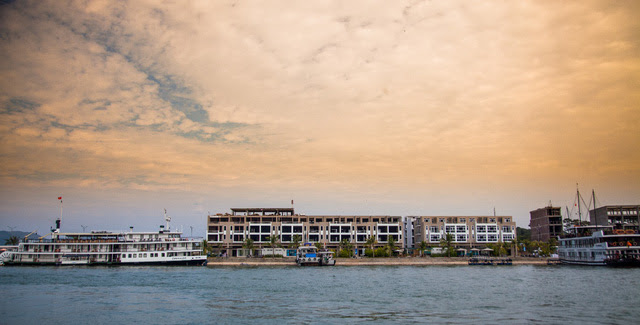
84	228
191	231
11	228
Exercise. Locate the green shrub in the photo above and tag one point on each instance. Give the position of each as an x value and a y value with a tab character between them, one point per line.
381	252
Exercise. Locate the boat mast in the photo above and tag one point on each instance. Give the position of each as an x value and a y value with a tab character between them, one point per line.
579	210
595	217
167	219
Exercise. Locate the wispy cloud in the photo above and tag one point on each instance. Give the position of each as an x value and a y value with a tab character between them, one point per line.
184	95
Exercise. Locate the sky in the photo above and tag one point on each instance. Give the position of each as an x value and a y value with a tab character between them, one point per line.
125	108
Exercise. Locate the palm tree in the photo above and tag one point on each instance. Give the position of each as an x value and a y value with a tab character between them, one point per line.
391	245
296	241
345	245
273	242
13	240
446	242
248	244
500	249
206	249
423	246
371	242
219	248
514	247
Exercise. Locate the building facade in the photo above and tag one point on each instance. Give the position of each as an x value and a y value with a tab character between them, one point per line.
618	216
230	230
468	232
545	223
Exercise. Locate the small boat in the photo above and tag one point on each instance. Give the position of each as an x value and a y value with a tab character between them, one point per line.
308	255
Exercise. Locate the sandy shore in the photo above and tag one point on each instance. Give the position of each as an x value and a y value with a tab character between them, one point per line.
401	261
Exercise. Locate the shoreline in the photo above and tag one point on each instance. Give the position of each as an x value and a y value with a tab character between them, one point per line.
399	261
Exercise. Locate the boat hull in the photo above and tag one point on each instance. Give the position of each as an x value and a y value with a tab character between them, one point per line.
79	263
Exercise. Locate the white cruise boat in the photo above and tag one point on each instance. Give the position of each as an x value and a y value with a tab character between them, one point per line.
163	247
600	245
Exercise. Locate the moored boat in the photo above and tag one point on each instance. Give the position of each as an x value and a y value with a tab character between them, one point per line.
600	245
163	247
308	255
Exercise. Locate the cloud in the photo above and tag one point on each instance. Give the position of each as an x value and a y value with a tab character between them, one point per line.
180	96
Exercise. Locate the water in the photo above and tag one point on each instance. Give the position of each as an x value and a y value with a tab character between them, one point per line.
383	294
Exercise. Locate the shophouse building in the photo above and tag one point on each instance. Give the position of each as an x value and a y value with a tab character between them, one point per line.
230	230
468	232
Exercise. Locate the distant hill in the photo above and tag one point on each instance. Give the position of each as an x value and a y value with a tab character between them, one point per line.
4	235
523	234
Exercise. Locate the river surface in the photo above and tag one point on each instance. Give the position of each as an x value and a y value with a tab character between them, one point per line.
359	294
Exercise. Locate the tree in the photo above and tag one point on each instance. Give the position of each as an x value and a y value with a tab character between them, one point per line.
296	241
273	242
446	243
346	248
500	249
248	244
423	246
219	248
13	240
514	247
391	244
318	245
206	249
371	242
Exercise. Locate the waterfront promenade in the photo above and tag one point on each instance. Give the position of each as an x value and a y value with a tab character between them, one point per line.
396	261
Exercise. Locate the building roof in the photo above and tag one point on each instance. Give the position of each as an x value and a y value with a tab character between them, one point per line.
275	210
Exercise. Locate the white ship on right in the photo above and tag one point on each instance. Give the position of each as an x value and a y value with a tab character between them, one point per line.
611	239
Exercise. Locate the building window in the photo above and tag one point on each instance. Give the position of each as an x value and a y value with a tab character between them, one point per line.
461	238
434	238
434	229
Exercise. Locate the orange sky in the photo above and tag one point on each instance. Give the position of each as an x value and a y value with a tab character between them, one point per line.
405	108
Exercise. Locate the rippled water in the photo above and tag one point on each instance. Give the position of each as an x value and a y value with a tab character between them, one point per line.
382	294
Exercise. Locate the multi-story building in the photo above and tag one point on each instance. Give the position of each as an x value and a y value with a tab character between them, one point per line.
467	232
545	223
618	216
408	232
231	229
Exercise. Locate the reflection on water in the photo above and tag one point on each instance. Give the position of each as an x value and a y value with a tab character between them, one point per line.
441	294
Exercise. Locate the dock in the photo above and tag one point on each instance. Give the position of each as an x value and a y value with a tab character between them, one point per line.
490	261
